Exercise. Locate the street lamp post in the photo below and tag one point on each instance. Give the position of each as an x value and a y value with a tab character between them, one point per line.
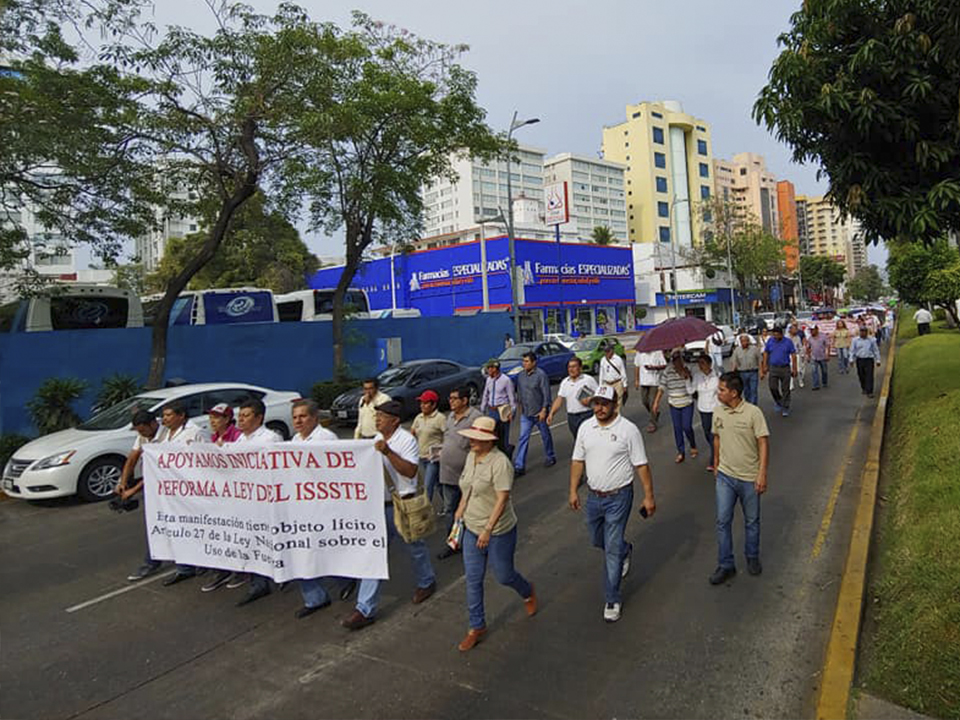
514	125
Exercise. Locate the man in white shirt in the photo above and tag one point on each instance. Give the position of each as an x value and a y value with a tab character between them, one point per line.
646	379
367	409
613	372
923	318
146	427
401	457
611	450
250	422
575	392
305	415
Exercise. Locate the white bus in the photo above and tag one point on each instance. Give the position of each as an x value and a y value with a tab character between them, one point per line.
317	304
73	307
217	306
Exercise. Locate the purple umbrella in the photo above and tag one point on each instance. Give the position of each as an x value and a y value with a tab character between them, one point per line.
675	333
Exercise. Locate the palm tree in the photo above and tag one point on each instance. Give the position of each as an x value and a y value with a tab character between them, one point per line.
602	235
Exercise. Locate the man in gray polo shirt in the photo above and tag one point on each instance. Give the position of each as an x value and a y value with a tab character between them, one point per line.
533	396
453	456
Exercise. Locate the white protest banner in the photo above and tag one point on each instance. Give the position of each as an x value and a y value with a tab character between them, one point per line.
286	511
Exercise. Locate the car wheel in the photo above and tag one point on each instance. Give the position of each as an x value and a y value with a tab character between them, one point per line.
99	478
280	428
474	395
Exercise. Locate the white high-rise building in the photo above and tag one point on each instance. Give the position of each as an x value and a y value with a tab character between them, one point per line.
149	248
595	193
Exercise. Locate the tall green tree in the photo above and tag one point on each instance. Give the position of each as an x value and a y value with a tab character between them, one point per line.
867	89
398	111
942	288
866	285
822	274
602	235
922	274
262	249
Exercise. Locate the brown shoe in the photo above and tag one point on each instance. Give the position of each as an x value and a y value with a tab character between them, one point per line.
357	620
531	602
472	638
424	593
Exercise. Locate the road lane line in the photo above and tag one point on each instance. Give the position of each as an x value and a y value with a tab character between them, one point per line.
835	492
120	591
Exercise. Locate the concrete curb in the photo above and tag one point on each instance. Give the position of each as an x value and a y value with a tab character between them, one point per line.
841	656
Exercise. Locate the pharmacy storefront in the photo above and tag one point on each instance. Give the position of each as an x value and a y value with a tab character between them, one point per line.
575	288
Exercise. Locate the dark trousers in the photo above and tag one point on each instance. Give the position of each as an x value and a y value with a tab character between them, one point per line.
575	420
780	385
923	328
706	422
865	374
503	432
450	495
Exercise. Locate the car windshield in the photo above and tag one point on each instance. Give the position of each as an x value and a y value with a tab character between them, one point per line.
515	353
585	344
119	415
395	375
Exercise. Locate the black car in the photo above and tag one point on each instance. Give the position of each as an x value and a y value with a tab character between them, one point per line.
406	381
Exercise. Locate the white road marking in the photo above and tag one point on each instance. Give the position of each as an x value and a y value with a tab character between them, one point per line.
120	591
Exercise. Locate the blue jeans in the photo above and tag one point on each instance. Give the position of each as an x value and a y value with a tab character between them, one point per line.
527	424
843	360
682	419
450	495
575	420
751	381
368	594
607	522
431	476
819	373
314	593
729	490
500	553
706	422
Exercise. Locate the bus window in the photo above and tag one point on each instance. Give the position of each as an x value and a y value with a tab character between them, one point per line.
239	306
86	313
290	310
354	301
13	316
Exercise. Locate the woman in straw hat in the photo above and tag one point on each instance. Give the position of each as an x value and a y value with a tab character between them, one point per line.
490	525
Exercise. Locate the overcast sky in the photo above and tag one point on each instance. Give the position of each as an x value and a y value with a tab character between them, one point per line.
576	65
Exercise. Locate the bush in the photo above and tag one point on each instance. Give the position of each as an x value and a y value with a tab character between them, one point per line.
326	392
9	444
115	389
51	409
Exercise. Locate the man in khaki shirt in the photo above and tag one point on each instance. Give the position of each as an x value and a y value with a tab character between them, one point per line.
367	413
428	429
740	444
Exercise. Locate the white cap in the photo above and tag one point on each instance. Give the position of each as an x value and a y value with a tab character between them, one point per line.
605	392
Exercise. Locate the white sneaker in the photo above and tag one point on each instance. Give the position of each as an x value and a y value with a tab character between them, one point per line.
625	566
611	612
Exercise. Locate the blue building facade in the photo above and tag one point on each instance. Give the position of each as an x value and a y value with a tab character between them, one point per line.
575	288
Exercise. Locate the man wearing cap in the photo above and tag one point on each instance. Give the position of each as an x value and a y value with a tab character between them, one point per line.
367	409
613	372
780	361
533	404
499	403
223	428
428	428
146	426
453	455
611	450
400	463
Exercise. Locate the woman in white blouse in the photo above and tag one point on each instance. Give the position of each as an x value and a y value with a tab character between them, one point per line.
704	382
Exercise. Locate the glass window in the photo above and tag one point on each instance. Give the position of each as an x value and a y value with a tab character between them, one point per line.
702	147
704	192
636	115
657	115
704	170
87	313
661	184
658	135
660	160
663	209
664	234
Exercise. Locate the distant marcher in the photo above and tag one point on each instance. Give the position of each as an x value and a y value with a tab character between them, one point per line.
400	455
799	340
499	402
490	526
818	352
923	318
673	385
250	422
610	449
367	413
646	379
613	372
780	361
841	341
866	353
507	341
704	383
713	346
741	444
746	362
428	428
533	404
575	390
453	455
146	426
224	430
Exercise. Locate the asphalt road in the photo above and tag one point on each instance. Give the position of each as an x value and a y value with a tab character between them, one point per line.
750	648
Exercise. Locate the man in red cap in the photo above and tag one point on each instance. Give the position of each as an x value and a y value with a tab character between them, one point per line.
428	429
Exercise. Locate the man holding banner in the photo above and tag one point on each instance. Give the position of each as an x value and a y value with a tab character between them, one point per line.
400	456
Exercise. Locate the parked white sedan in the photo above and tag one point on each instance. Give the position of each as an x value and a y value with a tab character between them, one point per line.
87	460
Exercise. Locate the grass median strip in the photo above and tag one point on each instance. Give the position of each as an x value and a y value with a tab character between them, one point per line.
911	655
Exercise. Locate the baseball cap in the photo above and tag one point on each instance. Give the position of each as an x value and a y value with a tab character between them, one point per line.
429	396
605	392
391	407
223	410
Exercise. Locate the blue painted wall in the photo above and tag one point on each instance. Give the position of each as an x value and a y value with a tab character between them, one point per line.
284	356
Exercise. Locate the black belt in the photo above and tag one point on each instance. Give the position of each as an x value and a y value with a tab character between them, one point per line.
608	493
585	412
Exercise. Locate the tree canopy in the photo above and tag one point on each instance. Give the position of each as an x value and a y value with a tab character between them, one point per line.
922	274
866	285
821	275
868	89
